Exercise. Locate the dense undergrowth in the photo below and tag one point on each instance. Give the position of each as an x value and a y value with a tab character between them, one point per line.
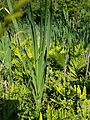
65	88
44	61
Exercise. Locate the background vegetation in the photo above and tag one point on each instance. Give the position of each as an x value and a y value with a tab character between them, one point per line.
45	59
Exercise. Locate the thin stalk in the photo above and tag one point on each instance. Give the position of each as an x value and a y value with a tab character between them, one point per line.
11	11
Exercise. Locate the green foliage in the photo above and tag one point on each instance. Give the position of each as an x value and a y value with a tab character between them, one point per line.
74	107
67	91
19	91
5	58
18	99
45	59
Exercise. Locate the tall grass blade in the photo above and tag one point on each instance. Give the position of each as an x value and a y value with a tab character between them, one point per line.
11	11
40	51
